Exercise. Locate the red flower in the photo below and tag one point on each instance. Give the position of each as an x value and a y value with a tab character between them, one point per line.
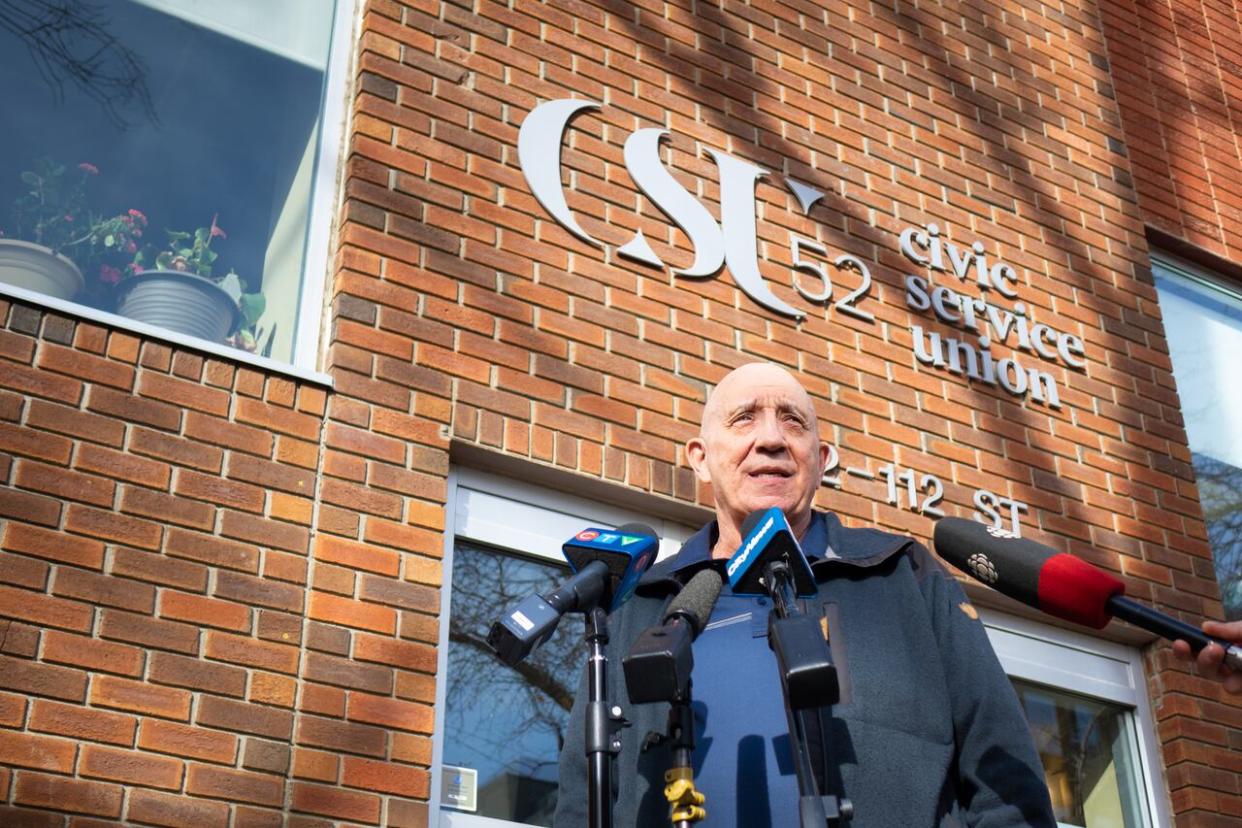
109	275
138	214
215	229
88	168
68	217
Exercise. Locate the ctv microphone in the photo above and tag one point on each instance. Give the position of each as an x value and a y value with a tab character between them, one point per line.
659	664
1058	583
767	538
607	564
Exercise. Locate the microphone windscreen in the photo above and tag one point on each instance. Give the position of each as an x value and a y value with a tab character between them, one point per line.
696	599
1041	577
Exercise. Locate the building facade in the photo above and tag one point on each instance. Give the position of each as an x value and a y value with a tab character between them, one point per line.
326	323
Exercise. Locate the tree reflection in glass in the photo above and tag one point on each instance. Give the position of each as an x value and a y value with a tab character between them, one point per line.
508	723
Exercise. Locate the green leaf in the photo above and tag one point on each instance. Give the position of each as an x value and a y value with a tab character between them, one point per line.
252	307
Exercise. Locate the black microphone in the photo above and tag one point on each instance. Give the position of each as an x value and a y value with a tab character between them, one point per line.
1058	583
768	538
659	664
607	565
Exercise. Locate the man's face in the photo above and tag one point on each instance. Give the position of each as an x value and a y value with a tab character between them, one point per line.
759	446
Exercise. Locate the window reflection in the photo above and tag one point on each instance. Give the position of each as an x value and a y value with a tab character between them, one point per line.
507	723
1087	748
130	120
1203	323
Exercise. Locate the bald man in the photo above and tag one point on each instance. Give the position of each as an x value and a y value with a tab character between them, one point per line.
928	731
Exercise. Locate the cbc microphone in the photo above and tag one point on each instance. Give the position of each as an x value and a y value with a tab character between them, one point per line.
1058	583
607	564
659	664
767	538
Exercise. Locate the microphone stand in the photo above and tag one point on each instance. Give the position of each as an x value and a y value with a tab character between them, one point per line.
685	801
602	723
808	681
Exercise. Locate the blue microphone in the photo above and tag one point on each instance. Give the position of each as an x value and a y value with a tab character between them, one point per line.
607	565
767	538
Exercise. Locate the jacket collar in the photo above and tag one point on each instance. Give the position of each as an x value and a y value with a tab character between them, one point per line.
825	543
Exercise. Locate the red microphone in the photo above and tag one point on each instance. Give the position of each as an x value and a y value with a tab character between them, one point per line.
1058	583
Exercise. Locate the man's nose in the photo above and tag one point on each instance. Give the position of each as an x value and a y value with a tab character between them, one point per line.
769	435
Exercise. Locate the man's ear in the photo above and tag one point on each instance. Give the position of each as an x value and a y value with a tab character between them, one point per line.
696	454
824	451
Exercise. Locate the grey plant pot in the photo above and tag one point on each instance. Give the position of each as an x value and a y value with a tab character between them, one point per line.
179	302
35	267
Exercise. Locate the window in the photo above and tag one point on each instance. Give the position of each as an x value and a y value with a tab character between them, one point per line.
167	151
499	730
1203	323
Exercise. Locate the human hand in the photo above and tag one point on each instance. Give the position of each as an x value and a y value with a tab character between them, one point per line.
1210	657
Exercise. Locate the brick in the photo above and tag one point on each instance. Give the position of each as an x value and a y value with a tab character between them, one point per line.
400	594
356	555
121	466
259	591
186	741
169	508
85	366
104	589
234	785
402	654
44	610
195	674
42	679
203	611
219	492
110	526
358	614
19	571
40	752
140	697
82	723
334	802
269	688
262	755
29	507
265	532
340	736
176	811
248	817
25	817
244	718
183	394
53	546
63	483
217	432
12	711
129	408
315	764
130	766
74	795
212	551
158	569
252	652
91	653
395	713
37	444
385	777
149	632
276	419
179	451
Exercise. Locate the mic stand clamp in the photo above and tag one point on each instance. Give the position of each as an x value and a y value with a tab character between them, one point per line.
685	801
603	723
808	681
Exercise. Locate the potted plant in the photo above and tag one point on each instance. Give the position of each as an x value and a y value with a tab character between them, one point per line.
180	293
48	217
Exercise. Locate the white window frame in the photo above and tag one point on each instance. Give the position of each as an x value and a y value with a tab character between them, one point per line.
525	518
334	117
1087	666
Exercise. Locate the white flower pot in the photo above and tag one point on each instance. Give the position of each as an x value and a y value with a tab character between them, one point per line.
35	267
179	302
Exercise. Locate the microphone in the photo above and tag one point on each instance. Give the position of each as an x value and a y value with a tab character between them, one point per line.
1058	583
607	564
768	538
659	664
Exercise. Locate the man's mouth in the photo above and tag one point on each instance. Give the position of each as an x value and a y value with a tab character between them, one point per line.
770	474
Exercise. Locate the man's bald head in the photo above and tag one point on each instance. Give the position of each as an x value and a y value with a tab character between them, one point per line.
759	447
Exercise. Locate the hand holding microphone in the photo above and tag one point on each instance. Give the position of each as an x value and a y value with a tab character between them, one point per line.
1211	659
1072	589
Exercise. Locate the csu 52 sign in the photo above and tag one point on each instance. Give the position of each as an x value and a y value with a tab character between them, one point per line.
731	241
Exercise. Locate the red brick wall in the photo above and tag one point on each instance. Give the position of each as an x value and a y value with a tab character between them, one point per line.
221	590
1177	69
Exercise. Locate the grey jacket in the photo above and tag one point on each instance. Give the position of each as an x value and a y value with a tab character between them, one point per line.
928	732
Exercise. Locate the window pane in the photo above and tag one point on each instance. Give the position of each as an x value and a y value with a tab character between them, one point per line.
1089	755
507	723
1203	323
130	119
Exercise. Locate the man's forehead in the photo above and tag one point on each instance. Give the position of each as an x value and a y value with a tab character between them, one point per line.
757	385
